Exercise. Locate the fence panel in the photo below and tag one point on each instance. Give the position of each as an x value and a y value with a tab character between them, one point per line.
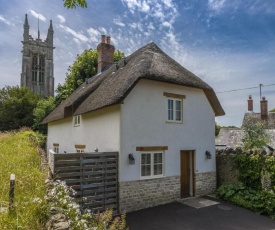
94	176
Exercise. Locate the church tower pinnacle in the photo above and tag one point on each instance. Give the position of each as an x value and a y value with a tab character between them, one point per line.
37	61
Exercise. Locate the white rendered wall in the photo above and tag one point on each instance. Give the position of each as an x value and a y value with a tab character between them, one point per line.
144	115
98	129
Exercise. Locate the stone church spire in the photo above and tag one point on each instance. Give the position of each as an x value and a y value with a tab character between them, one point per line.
26	29
37	62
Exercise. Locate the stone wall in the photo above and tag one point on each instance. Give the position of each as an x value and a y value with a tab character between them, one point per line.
205	183
227	172
135	195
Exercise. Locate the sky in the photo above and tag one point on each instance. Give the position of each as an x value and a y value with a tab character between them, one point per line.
229	44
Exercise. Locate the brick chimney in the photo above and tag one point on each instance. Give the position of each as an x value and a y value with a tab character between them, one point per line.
105	54
250	104
264	110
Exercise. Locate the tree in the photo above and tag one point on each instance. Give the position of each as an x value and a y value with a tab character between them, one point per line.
255	135
84	67
16	107
42	109
75	3
217	129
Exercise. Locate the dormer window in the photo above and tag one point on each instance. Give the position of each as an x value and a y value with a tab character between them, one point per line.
77	120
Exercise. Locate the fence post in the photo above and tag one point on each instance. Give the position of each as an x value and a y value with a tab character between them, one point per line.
11	194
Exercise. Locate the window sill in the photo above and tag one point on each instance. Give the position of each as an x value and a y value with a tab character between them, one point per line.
176	122
151	177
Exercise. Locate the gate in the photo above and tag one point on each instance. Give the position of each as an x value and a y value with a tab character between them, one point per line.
94	176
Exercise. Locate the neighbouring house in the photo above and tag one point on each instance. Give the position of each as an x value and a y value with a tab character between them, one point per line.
149	108
232	137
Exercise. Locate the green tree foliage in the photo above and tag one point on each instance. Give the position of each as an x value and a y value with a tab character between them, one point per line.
217	129
75	3
84	67
255	135
43	109
16	107
272	110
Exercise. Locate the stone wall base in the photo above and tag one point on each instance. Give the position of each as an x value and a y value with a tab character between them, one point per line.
135	195
205	183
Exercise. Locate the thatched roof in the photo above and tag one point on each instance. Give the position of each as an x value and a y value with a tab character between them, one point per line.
114	84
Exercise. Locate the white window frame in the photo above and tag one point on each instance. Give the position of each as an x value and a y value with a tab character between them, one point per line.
174	110
152	176
56	149
77	120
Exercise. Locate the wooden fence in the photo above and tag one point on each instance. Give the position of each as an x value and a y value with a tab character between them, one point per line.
94	176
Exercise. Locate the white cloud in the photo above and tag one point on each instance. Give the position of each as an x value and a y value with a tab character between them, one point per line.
94	34
6	21
216	5
81	37
140	5
102	30
61	18
118	22
37	15
167	24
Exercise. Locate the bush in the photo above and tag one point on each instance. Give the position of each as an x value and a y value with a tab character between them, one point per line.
259	201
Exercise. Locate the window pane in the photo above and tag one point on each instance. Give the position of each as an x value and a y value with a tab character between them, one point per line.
145	170
170	109
145	158
178	110
158	169
157	158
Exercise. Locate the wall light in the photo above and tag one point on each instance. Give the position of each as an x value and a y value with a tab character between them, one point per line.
131	159
208	155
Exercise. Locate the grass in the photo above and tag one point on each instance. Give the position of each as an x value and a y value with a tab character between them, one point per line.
19	156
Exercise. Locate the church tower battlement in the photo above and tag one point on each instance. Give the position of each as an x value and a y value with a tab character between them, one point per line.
37	62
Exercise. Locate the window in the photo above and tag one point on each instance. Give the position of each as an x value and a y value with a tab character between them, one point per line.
77	120
56	148
174	110
80	148
38	68
152	164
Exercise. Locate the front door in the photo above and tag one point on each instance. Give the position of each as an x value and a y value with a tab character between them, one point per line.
187	173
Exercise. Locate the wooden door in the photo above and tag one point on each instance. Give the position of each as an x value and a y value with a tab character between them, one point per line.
186	175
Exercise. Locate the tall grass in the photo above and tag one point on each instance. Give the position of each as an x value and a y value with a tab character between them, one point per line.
19	156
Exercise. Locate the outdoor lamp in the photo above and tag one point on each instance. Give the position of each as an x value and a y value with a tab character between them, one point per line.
208	155
131	159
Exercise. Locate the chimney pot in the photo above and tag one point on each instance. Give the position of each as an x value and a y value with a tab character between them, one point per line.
108	39
103	38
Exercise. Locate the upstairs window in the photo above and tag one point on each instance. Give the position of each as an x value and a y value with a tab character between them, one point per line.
174	107
77	120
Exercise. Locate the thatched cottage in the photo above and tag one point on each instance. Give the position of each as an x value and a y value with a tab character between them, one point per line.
148	108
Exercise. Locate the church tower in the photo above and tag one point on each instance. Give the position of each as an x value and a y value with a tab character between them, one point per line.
37	62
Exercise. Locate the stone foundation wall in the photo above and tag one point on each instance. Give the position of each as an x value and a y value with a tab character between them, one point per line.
205	183
135	195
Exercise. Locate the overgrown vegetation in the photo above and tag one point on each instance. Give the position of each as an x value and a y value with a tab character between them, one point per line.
255	135
19	156
259	201
59	196
256	187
